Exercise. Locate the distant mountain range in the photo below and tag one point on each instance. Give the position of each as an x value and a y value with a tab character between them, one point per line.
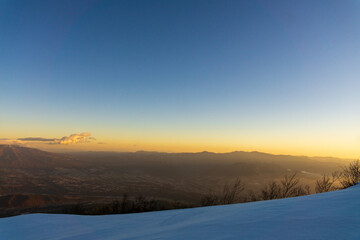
171	176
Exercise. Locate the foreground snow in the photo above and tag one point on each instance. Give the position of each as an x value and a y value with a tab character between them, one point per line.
334	215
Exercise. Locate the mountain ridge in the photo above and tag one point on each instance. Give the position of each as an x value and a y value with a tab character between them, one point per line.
14	156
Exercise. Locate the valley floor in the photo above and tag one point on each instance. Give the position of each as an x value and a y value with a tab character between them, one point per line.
333	215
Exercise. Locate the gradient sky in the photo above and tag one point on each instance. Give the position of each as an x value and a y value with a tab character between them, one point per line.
273	76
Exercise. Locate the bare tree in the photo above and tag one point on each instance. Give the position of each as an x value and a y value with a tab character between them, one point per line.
289	186
271	191
350	175
251	196
210	199
115	207
326	183
231	193
124	206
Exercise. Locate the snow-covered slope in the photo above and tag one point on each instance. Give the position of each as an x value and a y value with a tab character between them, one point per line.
333	215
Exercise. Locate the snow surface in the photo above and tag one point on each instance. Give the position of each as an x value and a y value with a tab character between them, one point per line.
333	215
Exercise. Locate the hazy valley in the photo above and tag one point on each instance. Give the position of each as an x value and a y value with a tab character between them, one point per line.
34	178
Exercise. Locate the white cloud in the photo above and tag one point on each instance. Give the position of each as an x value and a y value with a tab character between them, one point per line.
75	138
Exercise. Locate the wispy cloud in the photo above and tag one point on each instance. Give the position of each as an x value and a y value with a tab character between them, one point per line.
10	141
75	138
37	139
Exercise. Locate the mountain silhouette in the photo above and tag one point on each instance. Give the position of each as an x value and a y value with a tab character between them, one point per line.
13	156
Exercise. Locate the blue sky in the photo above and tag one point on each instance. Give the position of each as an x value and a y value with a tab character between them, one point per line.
277	76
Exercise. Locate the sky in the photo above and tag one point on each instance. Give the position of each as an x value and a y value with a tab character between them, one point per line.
181	76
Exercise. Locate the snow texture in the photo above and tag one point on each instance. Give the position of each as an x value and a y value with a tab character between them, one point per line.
333	215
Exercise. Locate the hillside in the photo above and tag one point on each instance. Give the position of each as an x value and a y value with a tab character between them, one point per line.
332	215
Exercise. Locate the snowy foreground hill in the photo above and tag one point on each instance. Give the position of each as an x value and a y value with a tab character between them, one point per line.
333	215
